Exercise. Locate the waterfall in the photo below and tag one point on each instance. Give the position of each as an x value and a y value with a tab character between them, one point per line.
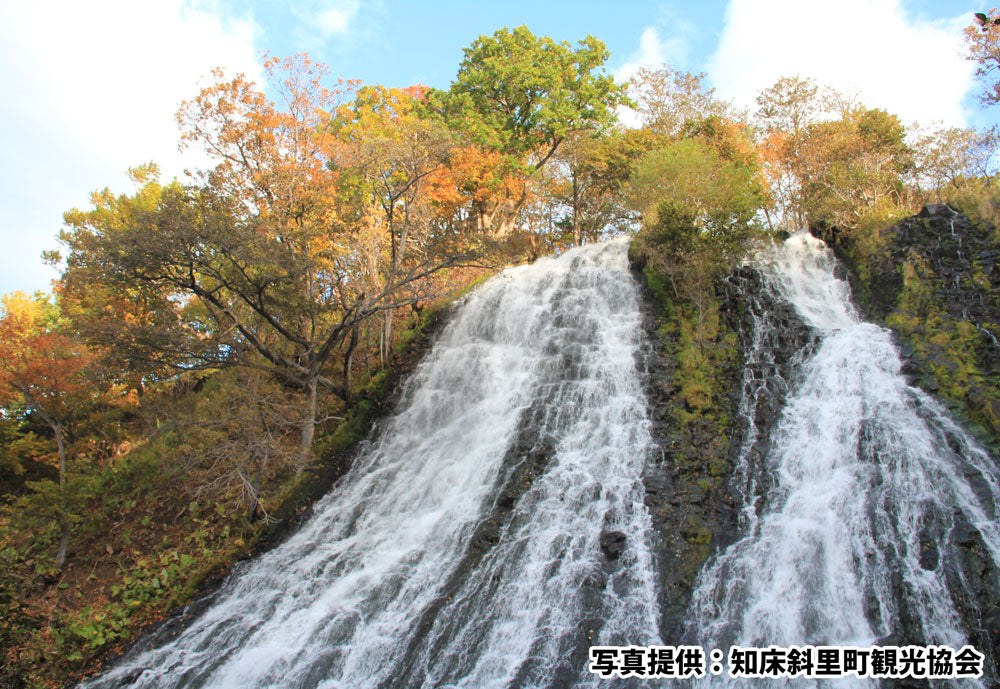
467	546
463	549
856	515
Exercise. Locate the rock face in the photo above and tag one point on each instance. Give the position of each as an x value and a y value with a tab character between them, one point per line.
962	255
773	342
691	492
612	544
937	283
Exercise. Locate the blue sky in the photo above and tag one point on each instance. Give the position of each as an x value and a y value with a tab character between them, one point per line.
91	88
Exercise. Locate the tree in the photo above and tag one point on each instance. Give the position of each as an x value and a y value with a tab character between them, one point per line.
698	197
784	111
522	96
789	105
953	157
393	149
668	97
852	166
238	458
265	251
473	180
271	157
41	371
143	333
722	195
589	175
983	40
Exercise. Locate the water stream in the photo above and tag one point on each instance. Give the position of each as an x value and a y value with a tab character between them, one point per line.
855	516
462	549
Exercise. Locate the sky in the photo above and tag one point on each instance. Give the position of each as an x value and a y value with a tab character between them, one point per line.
91	88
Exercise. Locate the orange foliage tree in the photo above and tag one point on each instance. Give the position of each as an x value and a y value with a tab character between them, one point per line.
272	261
41	372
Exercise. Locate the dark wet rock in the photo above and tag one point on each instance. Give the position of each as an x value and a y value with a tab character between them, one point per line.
612	544
964	534
952	314
972	582
690	494
943	243
910	368
131	678
929	555
933	209
991	622
487	535
894	639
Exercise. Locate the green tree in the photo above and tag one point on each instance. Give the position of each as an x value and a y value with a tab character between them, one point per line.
145	333
590	174
698	197
523	96
722	195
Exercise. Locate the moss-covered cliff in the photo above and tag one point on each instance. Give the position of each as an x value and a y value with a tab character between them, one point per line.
936	282
703	418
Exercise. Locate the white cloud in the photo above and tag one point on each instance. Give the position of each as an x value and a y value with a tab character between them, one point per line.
91	88
322	20
336	18
652	52
667	41
911	67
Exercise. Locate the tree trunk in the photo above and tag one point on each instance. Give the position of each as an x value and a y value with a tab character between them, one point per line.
577	234
386	337
256	512
253	511
308	425
381	344
64	526
505	216
533	240
349	365
368	348
767	216
63	543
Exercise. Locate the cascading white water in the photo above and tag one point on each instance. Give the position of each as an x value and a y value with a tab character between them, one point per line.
527	423
381	588
851	517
